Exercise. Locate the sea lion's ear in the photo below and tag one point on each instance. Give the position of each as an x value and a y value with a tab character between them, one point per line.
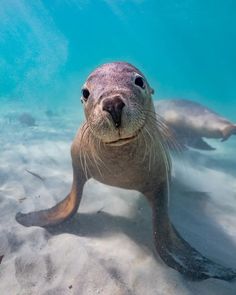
152	91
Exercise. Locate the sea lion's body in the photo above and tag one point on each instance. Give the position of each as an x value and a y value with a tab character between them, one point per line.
121	144
192	122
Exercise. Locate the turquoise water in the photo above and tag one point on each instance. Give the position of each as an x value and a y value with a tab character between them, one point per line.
185	48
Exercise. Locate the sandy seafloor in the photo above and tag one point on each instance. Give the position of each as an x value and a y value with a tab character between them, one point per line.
107	248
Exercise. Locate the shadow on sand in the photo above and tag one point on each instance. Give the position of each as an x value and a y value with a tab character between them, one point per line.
187	210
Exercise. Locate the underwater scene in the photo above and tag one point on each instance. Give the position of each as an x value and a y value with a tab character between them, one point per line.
118	147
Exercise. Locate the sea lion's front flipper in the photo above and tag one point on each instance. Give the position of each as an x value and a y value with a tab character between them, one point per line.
175	251
200	144
60	212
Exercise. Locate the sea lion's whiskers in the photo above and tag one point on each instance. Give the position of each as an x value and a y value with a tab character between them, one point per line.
141	117
84	129
87	171
97	164
159	141
99	152
164	148
147	144
146	113
94	154
168	135
161	124
151	147
145	151
169	143
167	165
80	150
162	133
159	120
89	138
138	115
86	153
81	160
167	158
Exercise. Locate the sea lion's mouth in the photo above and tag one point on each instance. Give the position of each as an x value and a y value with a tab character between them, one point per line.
122	141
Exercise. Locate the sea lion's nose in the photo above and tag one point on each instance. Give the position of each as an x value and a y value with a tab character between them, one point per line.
114	107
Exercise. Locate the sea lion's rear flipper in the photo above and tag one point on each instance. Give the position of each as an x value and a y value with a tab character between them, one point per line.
228	131
175	251
55	215
200	144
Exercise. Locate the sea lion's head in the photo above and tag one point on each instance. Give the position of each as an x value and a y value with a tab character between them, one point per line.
117	100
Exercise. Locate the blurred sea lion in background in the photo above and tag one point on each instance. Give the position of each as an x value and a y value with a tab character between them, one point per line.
192	121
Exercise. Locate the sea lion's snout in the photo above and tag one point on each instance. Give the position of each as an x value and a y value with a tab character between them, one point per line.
114	106
116	97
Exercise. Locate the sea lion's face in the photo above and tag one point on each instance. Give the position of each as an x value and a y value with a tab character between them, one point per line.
117	100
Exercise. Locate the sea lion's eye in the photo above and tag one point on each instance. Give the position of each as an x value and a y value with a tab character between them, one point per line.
85	93
139	82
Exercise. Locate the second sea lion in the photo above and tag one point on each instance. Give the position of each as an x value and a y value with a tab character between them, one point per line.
192	122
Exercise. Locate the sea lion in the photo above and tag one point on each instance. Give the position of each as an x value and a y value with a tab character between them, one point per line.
121	144
192	121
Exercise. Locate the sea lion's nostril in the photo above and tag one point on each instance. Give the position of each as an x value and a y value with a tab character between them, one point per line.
114	107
